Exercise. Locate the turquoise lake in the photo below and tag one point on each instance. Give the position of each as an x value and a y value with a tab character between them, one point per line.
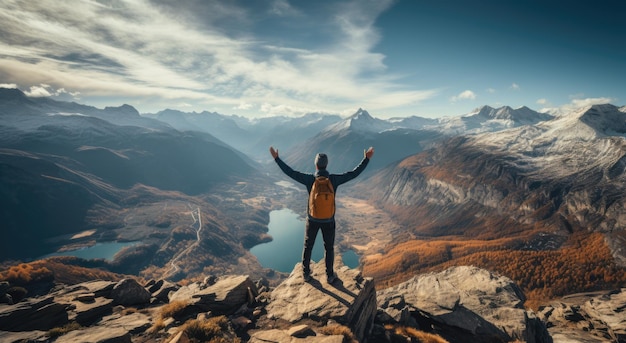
285	250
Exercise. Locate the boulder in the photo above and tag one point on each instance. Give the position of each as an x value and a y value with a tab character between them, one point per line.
162	289
4	287
98	287
587	317
129	292
33	314
350	301
465	303
225	296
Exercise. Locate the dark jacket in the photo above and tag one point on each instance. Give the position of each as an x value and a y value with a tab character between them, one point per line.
308	179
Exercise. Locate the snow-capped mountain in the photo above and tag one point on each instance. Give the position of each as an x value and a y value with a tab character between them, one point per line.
489	119
361	121
547	180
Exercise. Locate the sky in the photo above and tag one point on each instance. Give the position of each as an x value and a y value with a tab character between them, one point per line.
259	58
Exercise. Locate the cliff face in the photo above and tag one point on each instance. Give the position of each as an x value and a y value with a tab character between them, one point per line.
458	305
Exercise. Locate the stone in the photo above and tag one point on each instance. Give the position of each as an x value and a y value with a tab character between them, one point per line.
24	336
587	317
180	337
283	336
162	290
86	297
88	313
242	323
33	314
129	292
98	287
301	331
350	301
225	296
96	334
134	323
466	301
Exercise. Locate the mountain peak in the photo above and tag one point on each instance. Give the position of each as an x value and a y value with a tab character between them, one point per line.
125	109
361	113
522	114
604	118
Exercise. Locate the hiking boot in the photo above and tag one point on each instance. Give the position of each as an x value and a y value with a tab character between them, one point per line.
307	277
331	279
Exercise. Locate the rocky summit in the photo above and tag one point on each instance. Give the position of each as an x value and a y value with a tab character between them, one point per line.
350	300
464	304
460	304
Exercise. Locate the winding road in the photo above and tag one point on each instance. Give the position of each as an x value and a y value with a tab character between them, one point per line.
197	219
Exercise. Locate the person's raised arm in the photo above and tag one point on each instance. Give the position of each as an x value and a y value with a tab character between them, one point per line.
294	174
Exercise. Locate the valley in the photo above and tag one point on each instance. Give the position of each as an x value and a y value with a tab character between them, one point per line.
529	195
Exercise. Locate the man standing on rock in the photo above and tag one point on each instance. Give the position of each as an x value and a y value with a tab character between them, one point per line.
322	187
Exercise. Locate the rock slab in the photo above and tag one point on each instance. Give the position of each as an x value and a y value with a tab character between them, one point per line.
223	297
349	301
465	303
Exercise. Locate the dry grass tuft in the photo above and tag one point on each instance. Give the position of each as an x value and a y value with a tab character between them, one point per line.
62	330
421	336
173	309
211	330
158	324
339	330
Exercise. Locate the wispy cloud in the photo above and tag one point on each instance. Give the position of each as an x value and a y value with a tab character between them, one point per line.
515	86
148	49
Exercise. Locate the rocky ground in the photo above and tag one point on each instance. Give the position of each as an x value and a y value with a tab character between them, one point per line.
461	304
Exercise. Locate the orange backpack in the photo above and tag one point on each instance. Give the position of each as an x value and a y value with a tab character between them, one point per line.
322	199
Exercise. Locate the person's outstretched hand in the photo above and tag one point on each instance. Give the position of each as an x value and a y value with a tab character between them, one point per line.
274	152
369	153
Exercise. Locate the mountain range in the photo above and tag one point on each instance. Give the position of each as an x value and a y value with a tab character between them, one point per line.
472	188
61	162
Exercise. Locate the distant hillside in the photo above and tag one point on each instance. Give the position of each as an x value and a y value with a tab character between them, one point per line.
541	187
62	165
251	136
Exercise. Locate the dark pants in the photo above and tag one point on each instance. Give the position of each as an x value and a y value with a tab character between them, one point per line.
328	233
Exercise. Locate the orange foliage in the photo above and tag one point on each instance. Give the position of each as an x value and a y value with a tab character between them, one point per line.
25	273
584	264
54	269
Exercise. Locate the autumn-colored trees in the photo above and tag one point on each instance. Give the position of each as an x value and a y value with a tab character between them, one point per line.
59	269
583	264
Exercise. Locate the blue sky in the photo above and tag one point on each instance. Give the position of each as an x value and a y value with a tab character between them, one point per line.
276	57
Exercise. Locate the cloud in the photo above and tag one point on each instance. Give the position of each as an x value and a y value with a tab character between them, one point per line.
515	86
577	104
542	102
8	85
39	91
140	49
591	101
491	90
464	95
